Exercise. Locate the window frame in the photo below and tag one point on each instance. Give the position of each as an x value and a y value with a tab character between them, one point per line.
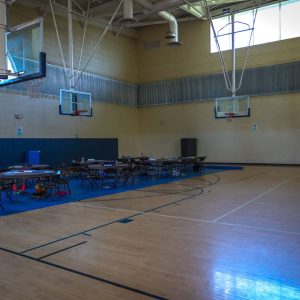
213	46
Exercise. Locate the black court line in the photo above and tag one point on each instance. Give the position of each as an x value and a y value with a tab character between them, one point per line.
192	188
118	220
142	190
86	234
205	180
244	178
187	195
94	228
129	198
76	234
160	192
91	229
119	285
113	222
109	223
61	250
168	192
174	202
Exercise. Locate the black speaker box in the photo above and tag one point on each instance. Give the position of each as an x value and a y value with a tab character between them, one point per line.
188	147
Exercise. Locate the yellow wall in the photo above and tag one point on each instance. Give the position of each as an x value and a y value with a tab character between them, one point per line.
277	117
114	58
277	139
41	119
194	57
140	130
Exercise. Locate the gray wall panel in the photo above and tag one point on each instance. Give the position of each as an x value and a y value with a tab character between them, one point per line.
276	79
102	89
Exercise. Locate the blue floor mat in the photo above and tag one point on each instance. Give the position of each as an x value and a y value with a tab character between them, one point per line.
25	202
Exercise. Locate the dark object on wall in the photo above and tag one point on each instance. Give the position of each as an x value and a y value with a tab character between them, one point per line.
57	151
188	147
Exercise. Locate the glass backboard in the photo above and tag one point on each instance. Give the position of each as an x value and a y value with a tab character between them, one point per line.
237	106
74	103
25	59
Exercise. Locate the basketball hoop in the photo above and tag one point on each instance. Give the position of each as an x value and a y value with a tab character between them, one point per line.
75	103
229	116
78	112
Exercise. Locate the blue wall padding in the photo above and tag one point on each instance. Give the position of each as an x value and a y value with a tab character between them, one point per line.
33	157
56	151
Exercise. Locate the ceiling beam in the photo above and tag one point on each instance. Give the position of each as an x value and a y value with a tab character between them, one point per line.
142	24
104	6
96	21
162	5
193	10
242	5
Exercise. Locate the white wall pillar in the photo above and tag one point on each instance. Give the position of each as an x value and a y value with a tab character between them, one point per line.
2	36
71	43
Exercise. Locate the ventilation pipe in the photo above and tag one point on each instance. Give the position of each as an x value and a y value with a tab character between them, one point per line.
127	13
172	34
160	7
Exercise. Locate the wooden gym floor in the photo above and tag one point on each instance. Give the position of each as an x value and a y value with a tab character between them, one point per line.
230	235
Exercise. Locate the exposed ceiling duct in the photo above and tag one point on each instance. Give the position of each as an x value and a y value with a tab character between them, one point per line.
159	7
144	11
162	5
172	34
128	13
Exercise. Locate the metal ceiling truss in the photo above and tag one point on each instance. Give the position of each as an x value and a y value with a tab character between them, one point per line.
145	11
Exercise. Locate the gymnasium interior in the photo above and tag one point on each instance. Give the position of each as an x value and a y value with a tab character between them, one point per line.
149	149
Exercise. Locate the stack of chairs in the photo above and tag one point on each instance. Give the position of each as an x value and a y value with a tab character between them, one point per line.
57	185
165	169
151	169
201	162
5	188
73	171
188	164
62	183
110	176
128	175
88	176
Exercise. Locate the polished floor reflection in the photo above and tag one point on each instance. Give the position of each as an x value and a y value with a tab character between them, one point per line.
245	287
229	235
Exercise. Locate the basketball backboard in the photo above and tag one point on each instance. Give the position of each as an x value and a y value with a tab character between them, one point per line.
24	57
237	106
74	103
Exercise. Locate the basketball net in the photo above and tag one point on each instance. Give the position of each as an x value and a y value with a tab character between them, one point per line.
229	116
78	112
33	87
